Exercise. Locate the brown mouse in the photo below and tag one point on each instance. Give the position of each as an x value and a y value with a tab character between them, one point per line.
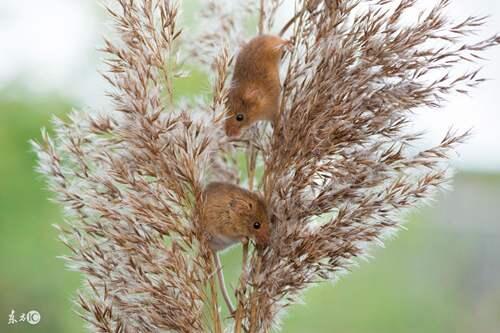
255	87
232	214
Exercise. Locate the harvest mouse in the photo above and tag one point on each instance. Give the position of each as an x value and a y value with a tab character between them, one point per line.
255	87
231	214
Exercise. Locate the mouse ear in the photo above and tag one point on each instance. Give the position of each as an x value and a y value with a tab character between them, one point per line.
240	206
236	204
251	96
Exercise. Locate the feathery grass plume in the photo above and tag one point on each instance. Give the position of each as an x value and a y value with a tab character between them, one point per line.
337	169
131	177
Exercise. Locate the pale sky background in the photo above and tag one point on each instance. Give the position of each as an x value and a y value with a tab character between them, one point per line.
50	46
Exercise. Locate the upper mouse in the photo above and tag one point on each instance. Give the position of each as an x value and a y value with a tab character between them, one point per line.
255	87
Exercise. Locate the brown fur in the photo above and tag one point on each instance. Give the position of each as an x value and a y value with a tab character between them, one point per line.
255	87
229	215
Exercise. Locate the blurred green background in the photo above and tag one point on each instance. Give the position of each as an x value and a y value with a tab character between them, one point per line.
440	275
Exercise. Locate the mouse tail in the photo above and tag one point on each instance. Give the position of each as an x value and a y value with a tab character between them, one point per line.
222	283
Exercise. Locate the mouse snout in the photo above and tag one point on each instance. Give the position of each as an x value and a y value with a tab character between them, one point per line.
262	240
231	130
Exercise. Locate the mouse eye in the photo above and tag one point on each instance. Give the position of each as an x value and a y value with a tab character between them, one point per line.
256	225
240	117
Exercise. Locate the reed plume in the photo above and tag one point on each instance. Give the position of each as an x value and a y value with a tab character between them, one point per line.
338	169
